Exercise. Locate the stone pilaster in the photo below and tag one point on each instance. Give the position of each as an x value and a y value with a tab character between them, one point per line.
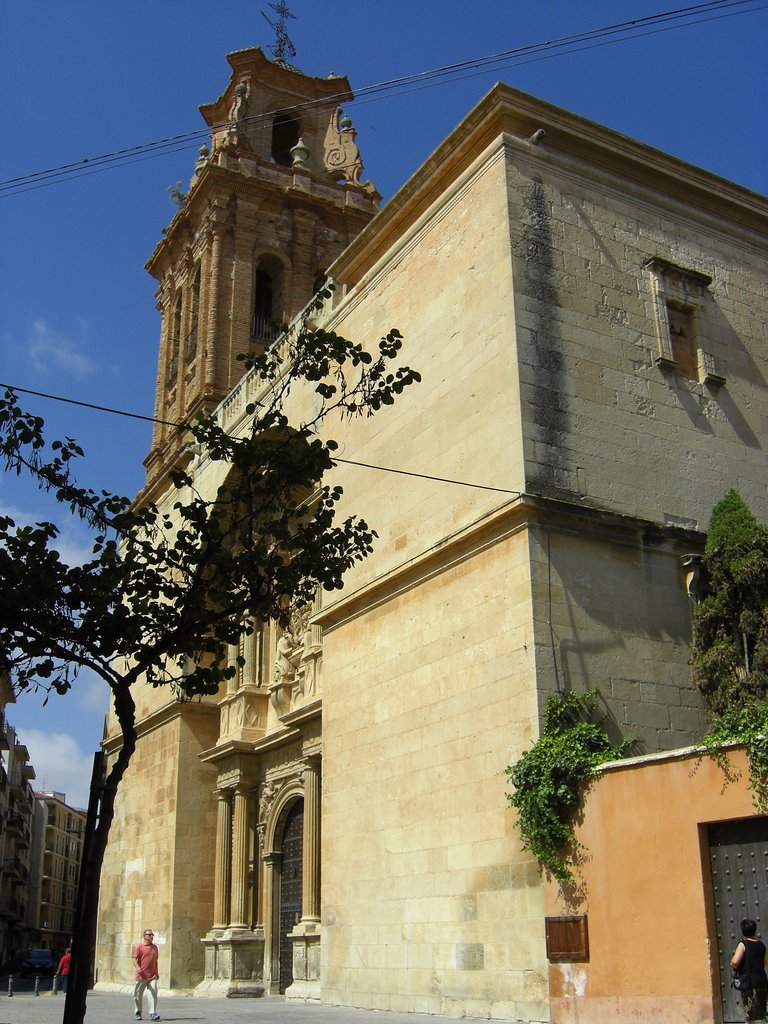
223	867
271	862
310	880
305	937
213	308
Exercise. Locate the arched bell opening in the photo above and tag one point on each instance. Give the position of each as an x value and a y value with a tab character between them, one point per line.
267	304
286	131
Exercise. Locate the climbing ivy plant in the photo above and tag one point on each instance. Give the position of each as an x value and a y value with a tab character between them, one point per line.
730	665
746	722
548	779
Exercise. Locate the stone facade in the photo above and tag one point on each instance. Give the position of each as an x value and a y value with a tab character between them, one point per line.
586	314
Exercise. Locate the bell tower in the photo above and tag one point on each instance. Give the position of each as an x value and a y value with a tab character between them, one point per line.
273	200
275	197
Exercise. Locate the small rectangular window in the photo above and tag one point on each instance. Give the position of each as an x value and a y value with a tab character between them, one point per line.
683	341
683	322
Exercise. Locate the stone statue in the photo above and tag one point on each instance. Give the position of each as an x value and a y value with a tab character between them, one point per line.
239	104
268	794
288	658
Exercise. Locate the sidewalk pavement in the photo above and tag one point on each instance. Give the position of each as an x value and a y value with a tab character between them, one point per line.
114	1007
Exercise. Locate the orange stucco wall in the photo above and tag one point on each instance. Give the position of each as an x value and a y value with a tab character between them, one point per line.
643	882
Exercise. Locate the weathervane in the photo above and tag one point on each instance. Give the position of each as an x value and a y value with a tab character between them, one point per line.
283	46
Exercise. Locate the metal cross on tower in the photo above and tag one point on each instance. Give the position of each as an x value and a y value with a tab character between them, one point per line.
283	46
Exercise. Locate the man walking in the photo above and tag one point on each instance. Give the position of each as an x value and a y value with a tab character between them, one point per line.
144	957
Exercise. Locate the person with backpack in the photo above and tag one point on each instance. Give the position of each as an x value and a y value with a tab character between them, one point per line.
748	965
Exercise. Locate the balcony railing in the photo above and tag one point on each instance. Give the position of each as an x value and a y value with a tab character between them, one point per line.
14	823
15	868
264	327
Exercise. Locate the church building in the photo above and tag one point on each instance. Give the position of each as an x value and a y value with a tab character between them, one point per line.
588	316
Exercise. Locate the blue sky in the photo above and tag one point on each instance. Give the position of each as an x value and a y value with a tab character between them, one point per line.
85	78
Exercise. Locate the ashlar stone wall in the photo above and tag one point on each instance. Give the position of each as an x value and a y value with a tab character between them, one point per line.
604	422
429	679
429	905
157	868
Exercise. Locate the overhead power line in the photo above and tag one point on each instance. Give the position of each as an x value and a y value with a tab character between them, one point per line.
347	462
684	17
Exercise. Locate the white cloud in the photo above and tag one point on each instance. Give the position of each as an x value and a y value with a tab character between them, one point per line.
16	514
74	544
59	764
91	692
48	350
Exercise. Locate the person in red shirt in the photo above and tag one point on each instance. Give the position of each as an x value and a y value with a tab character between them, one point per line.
64	967
144	957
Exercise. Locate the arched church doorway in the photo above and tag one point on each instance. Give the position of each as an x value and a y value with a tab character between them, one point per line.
289	915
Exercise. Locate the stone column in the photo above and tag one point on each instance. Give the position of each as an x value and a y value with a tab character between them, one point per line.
250	672
233	652
310	878
239	903
223	860
160	431
258	877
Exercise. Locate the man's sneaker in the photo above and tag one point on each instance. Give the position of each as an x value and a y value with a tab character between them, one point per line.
154	1016
137	1015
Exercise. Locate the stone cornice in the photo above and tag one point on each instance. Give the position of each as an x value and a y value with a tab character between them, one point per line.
162	716
272	741
215	181
290	732
525	512
588	145
253	61
225	751
159	463
303	714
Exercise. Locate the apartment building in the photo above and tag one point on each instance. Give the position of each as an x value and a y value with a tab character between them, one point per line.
57	846
16	809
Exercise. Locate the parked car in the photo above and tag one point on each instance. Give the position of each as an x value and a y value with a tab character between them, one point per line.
38	961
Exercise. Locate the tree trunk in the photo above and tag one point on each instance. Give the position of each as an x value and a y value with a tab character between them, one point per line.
102	806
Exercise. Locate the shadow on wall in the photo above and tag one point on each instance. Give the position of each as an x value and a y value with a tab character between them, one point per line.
618	618
548	399
705	404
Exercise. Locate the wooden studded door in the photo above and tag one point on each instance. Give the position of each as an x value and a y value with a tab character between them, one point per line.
738	855
290	888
